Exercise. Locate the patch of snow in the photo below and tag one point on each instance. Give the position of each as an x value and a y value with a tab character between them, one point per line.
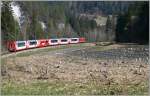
101	21
16	12
61	25
43	25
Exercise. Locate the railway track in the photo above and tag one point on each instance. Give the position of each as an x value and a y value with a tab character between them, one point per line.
137	52
7	54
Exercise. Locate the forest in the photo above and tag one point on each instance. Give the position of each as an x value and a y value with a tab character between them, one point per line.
63	19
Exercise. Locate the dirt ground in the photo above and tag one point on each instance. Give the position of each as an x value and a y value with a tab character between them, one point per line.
71	65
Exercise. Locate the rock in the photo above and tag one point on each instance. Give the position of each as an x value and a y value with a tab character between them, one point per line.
141	66
122	62
112	92
103	43
42	77
99	63
46	63
104	63
4	71
84	63
22	68
57	66
135	72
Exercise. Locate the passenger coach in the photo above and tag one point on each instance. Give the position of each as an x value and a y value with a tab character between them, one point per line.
21	45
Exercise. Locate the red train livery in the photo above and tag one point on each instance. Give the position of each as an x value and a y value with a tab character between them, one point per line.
21	45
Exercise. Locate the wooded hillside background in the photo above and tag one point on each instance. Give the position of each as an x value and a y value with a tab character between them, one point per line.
120	21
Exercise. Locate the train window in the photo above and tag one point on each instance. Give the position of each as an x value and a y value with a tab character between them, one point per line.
54	41
73	39
33	43
64	40
21	44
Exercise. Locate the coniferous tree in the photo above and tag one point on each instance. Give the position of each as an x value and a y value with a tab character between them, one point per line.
10	27
133	25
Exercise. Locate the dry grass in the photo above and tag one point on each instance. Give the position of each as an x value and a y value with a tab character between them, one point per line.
48	74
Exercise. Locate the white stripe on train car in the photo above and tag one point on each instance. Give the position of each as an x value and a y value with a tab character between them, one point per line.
18	43
64	41
53	41
32	45
74	40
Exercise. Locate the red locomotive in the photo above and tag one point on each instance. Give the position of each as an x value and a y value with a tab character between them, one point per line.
21	45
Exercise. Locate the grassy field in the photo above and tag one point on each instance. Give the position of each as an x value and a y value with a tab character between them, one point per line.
62	88
17	83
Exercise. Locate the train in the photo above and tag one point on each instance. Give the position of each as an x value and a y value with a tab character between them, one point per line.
14	46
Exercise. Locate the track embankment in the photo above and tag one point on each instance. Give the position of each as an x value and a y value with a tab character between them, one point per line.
48	48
